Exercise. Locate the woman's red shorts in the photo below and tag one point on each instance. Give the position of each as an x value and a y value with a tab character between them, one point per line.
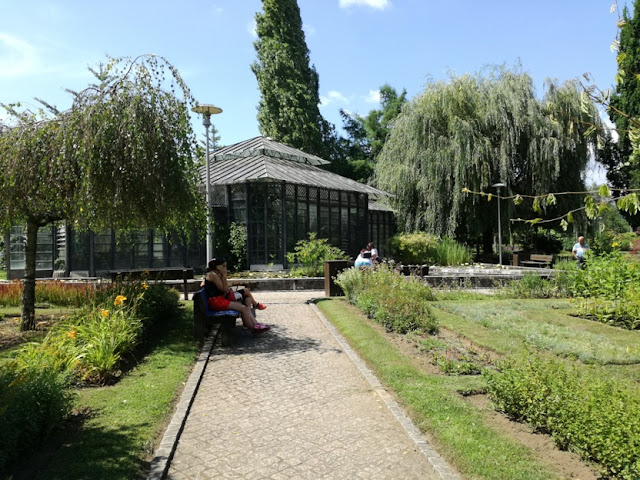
219	303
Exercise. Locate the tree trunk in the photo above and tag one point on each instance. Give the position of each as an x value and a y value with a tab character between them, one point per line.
29	287
487	244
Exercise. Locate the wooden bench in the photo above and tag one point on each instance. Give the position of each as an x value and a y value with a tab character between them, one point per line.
538	260
203	317
156	274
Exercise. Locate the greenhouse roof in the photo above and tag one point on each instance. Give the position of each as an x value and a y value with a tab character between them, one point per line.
263	159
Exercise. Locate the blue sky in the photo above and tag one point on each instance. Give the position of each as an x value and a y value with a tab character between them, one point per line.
355	45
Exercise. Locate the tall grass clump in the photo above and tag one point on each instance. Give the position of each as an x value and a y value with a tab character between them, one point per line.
421	247
308	256
398	303
447	252
583	409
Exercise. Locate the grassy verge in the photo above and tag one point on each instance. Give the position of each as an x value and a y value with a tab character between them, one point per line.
3	274
121	424
458	429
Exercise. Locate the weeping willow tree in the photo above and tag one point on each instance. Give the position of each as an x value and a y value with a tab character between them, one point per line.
120	157
474	131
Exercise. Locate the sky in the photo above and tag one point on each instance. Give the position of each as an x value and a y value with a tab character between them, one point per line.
356	47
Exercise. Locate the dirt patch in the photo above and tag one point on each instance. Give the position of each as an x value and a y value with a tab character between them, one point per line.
568	464
10	334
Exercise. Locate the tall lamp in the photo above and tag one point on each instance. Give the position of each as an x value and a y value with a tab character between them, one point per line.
498	185
206	111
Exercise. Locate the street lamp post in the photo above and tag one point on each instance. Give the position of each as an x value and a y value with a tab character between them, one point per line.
206	111
498	185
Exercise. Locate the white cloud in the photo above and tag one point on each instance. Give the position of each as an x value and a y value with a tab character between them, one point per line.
17	57
252	28
333	97
373	96
309	30
377	4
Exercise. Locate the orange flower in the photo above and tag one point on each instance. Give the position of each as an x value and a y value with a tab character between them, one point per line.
104	313
72	333
119	300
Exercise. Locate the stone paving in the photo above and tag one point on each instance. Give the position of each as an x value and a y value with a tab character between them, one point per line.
292	403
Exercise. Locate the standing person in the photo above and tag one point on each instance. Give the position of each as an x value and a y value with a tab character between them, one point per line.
578	251
221	297
374	252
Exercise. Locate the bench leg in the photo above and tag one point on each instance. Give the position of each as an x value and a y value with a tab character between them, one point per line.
227	332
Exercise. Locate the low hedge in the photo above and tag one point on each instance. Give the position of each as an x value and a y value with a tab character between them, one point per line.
581	408
398	303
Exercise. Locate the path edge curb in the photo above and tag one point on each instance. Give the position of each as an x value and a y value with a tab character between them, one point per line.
437	463
159	466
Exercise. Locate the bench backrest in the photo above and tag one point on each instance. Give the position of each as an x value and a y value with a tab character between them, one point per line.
541	258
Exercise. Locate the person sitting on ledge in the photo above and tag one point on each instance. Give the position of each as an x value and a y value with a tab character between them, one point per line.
221	297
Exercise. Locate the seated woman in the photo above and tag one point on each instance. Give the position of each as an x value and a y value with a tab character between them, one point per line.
220	297
364	259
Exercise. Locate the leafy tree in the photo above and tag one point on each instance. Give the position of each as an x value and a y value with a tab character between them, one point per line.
473	132
377	123
121	157
366	135
624	105
288	111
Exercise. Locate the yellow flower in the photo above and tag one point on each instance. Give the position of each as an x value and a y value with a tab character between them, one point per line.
615	244
144	286
72	333
119	300
104	313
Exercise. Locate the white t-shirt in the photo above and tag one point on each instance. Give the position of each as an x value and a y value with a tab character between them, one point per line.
579	250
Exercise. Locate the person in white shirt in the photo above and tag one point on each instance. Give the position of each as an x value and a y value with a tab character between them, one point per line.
578	252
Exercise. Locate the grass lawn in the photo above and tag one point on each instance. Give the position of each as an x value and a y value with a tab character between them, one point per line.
115	429
3	274
465	434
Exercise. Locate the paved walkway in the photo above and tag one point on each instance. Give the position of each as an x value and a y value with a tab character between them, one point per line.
293	403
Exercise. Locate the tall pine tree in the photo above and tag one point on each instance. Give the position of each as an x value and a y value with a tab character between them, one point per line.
288	110
624	167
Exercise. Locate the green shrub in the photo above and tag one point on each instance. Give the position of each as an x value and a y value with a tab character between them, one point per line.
582	408
397	302
412	248
32	402
309	256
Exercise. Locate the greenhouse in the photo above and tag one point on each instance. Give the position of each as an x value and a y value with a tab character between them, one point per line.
277	193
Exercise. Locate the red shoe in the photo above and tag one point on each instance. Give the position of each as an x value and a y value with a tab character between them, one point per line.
261	306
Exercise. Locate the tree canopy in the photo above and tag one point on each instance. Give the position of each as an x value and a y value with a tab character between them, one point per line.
624	106
121	157
288	111
475	131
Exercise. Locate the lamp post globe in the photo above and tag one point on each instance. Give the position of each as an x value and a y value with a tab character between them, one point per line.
207	110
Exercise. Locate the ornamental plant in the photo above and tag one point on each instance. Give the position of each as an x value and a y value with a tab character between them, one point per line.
397	302
308	256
